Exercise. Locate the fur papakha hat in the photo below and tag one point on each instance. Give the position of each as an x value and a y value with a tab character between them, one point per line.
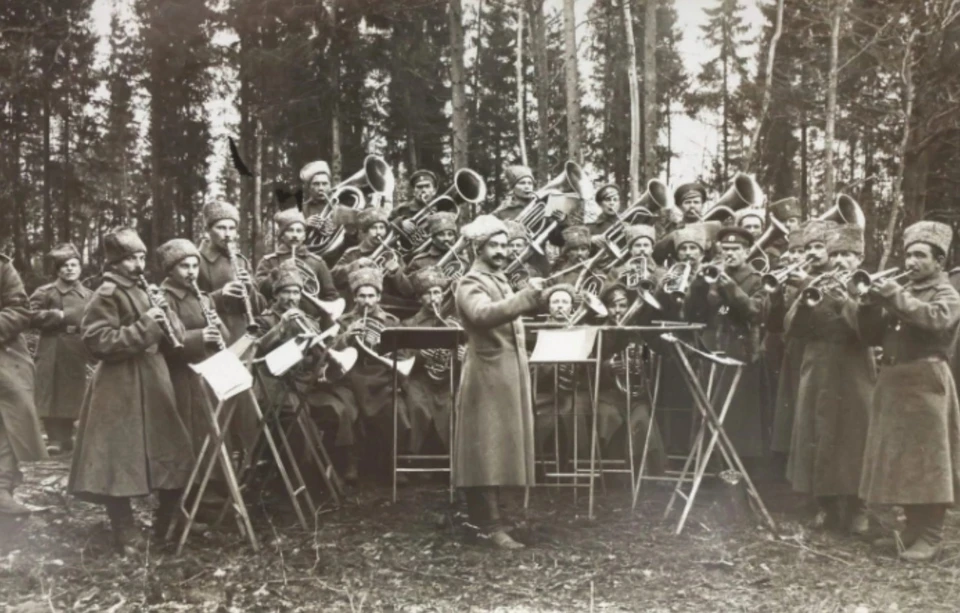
217	211
61	254
441	222
795	238
311	169
513	174
369	216
174	251
845	238
286	218
426	278
693	233
364	277
637	231
817	230
481	229
515	230
122	243
285	275
574	237
931	232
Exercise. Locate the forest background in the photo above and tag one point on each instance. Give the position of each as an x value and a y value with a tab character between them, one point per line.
125	125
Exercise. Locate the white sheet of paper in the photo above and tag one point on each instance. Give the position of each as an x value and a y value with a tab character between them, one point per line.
225	374
284	357
563	345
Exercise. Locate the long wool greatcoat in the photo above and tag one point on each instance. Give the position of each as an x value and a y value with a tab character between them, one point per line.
913	444
493	441
61	357
131	439
837	376
193	400
788	383
17	410
733	312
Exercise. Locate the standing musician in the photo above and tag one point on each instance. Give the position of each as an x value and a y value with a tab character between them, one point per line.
61	357
20	438
291	232
788	381
203	336
690	245
372	228
608	199
788	213
131	440
316	187
428	388
576	250
837	376
225	274
751	219
493	444
689	198
732	309
913	444
423	184
371	379
639	261
316	378
443	234
518	239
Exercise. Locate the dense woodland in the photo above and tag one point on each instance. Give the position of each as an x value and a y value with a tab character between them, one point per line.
863	98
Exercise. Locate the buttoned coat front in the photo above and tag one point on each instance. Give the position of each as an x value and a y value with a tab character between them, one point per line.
494	432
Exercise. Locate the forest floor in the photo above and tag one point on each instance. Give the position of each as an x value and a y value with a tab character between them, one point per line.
372	555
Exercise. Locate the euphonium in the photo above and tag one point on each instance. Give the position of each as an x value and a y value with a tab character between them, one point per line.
210	317
636	274
152	291
311	288
436	361
367	337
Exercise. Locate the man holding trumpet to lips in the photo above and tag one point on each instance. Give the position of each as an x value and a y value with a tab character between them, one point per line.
912	455
727	300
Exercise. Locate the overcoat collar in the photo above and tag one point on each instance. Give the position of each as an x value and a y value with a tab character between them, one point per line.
65	288
931	281
482	267
122	281
174	288
210	252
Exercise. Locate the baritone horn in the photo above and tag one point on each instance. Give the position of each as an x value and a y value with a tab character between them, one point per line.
468	188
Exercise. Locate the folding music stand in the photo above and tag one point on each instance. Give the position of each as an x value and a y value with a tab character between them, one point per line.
422	338
710	420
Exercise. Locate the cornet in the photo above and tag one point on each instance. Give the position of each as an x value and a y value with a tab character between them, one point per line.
636	274
773	281
712	271
676	283
812	295
860	281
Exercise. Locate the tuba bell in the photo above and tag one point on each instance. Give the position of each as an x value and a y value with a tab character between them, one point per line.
570	181
468	188
742	193
845	210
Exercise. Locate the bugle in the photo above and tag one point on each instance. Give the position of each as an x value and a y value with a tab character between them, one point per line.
861	281
774	280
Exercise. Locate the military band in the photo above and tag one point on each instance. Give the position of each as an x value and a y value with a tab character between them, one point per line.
854	427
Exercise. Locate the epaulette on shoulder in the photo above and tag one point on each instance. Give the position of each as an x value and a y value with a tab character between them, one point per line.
107	288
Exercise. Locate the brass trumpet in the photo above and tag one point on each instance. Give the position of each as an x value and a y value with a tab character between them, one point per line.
860	281
774	280
712	271
813	294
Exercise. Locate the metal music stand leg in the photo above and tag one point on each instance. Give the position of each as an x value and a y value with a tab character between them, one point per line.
556	423
453	414
595	397
396	422
576	436
726	447
653	382
629	415
283	435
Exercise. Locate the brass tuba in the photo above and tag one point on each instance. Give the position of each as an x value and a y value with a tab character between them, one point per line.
570	180
468	188
742	193
845	210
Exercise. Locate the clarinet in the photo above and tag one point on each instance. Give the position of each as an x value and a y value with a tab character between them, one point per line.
210	317
165	322
251	323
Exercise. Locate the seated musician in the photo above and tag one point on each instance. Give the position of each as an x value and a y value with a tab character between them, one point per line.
608	199
732	309
423	184
371	226
371	378
576	250
443	234
554	397
639	263
517	241
291	231
332	405
627	308
316	191
429	401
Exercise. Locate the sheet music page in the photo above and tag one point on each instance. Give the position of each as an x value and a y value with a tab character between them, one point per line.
225	374
284	357
563	345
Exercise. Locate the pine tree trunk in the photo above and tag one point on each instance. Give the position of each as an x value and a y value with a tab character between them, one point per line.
458	79
650	89
831	118
767	89
634	103
571	71
538	40
256	236
336	158
47	175
67	175
521	102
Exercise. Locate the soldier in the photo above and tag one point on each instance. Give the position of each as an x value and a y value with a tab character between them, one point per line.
291	230
372	227
689	198
423	185
751	220
20	438
518	240
428	388
788	212
608	199
912	455
833	401
638	262
443	234
131	440
520	182
316	186
203	336
61	357
493	442
576	250
732	309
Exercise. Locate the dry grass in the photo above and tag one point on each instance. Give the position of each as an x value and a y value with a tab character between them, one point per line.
376	556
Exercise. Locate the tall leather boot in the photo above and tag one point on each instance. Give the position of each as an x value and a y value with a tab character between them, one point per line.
902	540
927	545
166	508
829	516
126	534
